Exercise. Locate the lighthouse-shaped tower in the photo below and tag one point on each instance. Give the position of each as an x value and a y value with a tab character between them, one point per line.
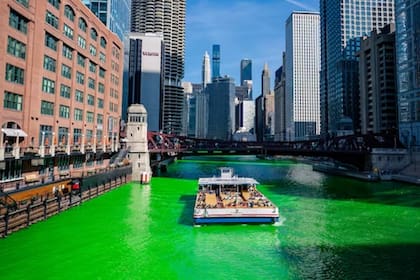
138	152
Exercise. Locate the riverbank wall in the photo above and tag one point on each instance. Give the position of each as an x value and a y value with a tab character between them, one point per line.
29	206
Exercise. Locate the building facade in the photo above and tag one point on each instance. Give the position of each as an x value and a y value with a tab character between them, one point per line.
145	75
378	95
343	23
215	62
166	17
280	103
221	117
62	71
115	14
408	70
246	74
302	75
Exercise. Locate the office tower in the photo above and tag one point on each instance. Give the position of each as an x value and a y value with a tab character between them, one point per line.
189	102
62	71
166	17
302	75
245	121
145	75
246	70
115	14
221	119
408	70
202	114
215	67
265	80
378	97
280	102
205	70
343	23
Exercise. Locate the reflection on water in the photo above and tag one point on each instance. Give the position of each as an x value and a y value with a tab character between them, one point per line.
303	174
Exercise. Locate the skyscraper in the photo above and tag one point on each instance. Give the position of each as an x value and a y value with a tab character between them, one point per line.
145	75
115	14
205	71
215	62
221	118
246	70
280	102
265	80
408	69
302	75
378	96
343	23
166	17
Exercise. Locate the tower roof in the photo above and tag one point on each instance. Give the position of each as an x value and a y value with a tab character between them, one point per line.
137	108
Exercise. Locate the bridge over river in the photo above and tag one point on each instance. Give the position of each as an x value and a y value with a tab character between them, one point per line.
355	150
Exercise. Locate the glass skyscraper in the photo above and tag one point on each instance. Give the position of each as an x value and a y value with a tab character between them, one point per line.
115	14
246	70
408	69
215	62
343	23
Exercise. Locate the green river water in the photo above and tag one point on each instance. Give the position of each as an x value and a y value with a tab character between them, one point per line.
331	228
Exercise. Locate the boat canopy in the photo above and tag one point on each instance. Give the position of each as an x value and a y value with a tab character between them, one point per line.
227	181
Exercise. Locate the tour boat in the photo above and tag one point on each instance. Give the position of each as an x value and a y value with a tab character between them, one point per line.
232	199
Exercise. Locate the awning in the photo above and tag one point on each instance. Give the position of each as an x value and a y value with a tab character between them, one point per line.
14	132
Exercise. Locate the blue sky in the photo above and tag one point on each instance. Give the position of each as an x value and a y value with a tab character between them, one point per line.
252	29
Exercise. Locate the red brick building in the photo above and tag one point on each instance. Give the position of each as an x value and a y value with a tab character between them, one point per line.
61	88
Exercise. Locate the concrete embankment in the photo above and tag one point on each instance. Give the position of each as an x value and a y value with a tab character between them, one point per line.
41	206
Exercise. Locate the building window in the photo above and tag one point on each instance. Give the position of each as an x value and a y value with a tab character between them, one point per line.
51	41
99	119
25	3
80	78
100	103
69	13
92	67
103	42
12	101
49	63
47	129
55	3
47	108
48	85
81	60
65	71
78	96
91	100
101	72
101	87
78	115
64	111
68	31
63	134
92	50
102	57
18	22
91	83
63	162
78	162
82	24
51	19
14	74
81	42
16	48
93	34
77	136
89	117
89	135
67	52
65	91
12	170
